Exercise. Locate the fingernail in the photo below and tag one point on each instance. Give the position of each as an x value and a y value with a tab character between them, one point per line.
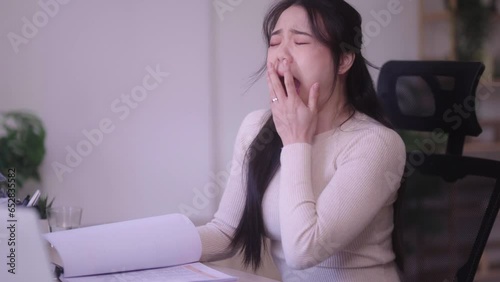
285	62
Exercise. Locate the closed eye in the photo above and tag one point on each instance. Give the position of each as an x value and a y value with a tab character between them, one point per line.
302	43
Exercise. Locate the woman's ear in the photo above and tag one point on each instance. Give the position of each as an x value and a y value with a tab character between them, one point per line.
346	62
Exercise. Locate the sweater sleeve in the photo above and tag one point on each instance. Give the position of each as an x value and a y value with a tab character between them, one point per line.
216	235
367	176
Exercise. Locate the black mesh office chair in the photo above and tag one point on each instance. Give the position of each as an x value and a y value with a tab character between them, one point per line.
447	203
447	207
425	96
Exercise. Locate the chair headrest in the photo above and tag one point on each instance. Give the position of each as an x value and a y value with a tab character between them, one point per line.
425	95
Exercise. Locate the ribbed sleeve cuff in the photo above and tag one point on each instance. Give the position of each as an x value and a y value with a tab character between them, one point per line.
296	174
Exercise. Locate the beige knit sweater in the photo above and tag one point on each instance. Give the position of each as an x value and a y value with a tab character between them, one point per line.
328	210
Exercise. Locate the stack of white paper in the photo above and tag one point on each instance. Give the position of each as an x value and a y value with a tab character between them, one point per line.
162	248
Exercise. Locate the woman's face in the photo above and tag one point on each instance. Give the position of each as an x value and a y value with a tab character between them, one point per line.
310	61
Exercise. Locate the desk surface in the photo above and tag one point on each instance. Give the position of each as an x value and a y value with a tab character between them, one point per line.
242	276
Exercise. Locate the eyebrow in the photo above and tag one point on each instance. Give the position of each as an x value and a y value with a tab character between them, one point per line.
294	31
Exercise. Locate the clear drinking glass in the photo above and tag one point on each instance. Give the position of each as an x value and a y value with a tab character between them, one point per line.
64	218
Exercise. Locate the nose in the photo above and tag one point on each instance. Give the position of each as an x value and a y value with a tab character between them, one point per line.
282	55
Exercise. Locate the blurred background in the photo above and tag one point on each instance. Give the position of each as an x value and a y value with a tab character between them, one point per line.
140	101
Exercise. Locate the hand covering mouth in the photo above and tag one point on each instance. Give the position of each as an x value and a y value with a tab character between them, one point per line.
296	82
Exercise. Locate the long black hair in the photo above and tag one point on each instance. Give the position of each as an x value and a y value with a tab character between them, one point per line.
337	25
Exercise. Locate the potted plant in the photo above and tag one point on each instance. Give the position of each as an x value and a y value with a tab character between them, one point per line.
22	148
22	145
42	206
473	21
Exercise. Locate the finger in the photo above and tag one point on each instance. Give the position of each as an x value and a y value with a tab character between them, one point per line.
313	97
276	83
289	82
272	95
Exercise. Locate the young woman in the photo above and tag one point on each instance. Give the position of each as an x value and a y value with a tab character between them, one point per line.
318	174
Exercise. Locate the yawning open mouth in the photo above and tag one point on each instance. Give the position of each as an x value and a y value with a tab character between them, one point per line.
296	81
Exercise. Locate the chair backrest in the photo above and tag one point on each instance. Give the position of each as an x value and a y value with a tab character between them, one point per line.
447	206
430	95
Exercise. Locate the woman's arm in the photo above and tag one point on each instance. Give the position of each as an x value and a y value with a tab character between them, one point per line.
367	176
217	234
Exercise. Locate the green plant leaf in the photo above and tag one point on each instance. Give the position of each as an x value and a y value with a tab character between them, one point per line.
42	206
22	145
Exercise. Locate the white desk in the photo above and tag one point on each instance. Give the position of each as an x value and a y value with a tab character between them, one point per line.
242	276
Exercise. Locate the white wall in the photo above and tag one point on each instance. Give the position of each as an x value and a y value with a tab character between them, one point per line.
172	146
390	28
77	65
239	53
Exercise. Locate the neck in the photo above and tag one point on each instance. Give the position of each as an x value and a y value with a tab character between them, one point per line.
334	112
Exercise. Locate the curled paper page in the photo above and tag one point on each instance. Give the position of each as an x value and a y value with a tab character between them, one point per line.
129	245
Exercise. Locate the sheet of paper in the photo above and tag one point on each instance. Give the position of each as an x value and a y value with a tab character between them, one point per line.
187	272
129	245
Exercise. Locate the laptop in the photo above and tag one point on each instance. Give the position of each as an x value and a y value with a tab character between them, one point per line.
23	251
